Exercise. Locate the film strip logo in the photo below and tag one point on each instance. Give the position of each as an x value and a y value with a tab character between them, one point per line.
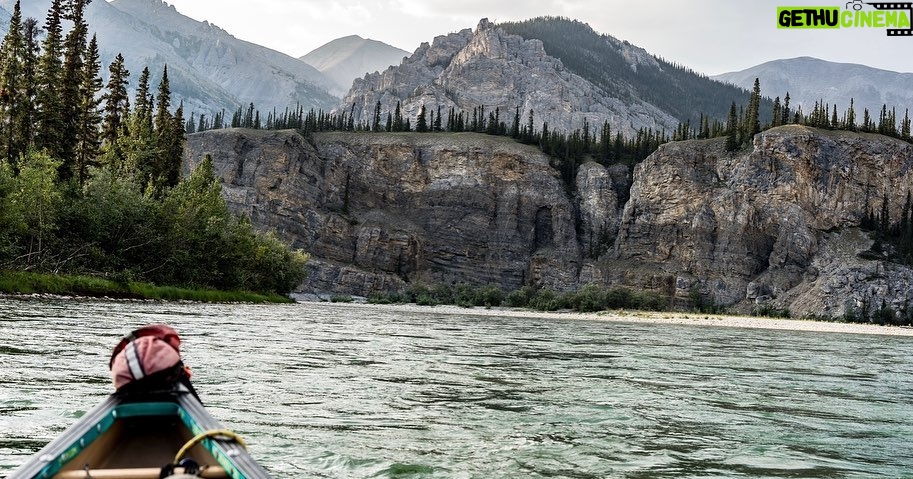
896	32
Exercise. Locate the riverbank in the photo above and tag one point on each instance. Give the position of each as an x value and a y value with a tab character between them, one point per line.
677	318
26	284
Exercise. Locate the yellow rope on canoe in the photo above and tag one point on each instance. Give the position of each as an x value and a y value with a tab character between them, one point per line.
203	435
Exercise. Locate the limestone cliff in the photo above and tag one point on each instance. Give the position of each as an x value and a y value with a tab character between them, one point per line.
777	224
377	211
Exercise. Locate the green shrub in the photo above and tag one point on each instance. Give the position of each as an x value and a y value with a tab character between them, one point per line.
489	296
547	300
425	299
617	298
590	299
520	298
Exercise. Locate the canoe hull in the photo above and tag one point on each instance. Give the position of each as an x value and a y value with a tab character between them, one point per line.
135	436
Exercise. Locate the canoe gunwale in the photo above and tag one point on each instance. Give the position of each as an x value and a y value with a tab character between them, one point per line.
177	402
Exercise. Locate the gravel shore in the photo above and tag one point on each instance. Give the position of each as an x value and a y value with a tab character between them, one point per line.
666	318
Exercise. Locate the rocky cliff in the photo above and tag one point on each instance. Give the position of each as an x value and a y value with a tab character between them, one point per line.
497	70
776	225
378	211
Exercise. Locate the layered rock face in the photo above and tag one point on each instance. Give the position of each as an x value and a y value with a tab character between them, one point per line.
778	224
379	211
502	72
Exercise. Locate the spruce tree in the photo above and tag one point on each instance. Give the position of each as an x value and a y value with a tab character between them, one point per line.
375	124
140	148
12	91
163	104
777	114
75	45
530	135
29	112
117	102
786	113
166	171
398	118
174	149
143	100
732	142
850	123
421	123
49	106
752	116
88	134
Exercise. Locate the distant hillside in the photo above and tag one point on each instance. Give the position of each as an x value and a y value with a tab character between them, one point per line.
809	80
348	58
208	69
628	71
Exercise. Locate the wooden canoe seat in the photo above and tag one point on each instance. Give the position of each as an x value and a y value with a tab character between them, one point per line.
212	472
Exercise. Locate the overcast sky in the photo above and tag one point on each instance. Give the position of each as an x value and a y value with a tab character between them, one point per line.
710	36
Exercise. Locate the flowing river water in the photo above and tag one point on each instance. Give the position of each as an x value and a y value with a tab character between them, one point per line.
358	391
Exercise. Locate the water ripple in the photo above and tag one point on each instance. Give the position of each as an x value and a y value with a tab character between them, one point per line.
322	390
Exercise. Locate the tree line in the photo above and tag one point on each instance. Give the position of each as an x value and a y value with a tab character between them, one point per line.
90	183
567	149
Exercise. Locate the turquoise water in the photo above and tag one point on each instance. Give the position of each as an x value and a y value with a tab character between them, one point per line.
349	391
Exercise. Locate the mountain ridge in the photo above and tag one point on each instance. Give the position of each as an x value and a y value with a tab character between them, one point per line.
208	68
809	80
617	65
582	84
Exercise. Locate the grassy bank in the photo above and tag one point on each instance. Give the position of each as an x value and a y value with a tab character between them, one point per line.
19	282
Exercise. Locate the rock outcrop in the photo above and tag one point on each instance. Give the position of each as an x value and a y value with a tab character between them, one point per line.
501	72
777	226
379	211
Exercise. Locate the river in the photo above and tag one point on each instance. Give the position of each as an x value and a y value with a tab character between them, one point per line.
359	391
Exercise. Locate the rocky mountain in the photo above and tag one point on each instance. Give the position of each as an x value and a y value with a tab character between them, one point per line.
208	69
809	80
627	71
500	71
351	57
607	80
778	225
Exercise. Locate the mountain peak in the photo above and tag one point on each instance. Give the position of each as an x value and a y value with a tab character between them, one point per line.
484	24
347	58
502	72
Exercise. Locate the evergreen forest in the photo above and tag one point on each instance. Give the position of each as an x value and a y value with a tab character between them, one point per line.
91	183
